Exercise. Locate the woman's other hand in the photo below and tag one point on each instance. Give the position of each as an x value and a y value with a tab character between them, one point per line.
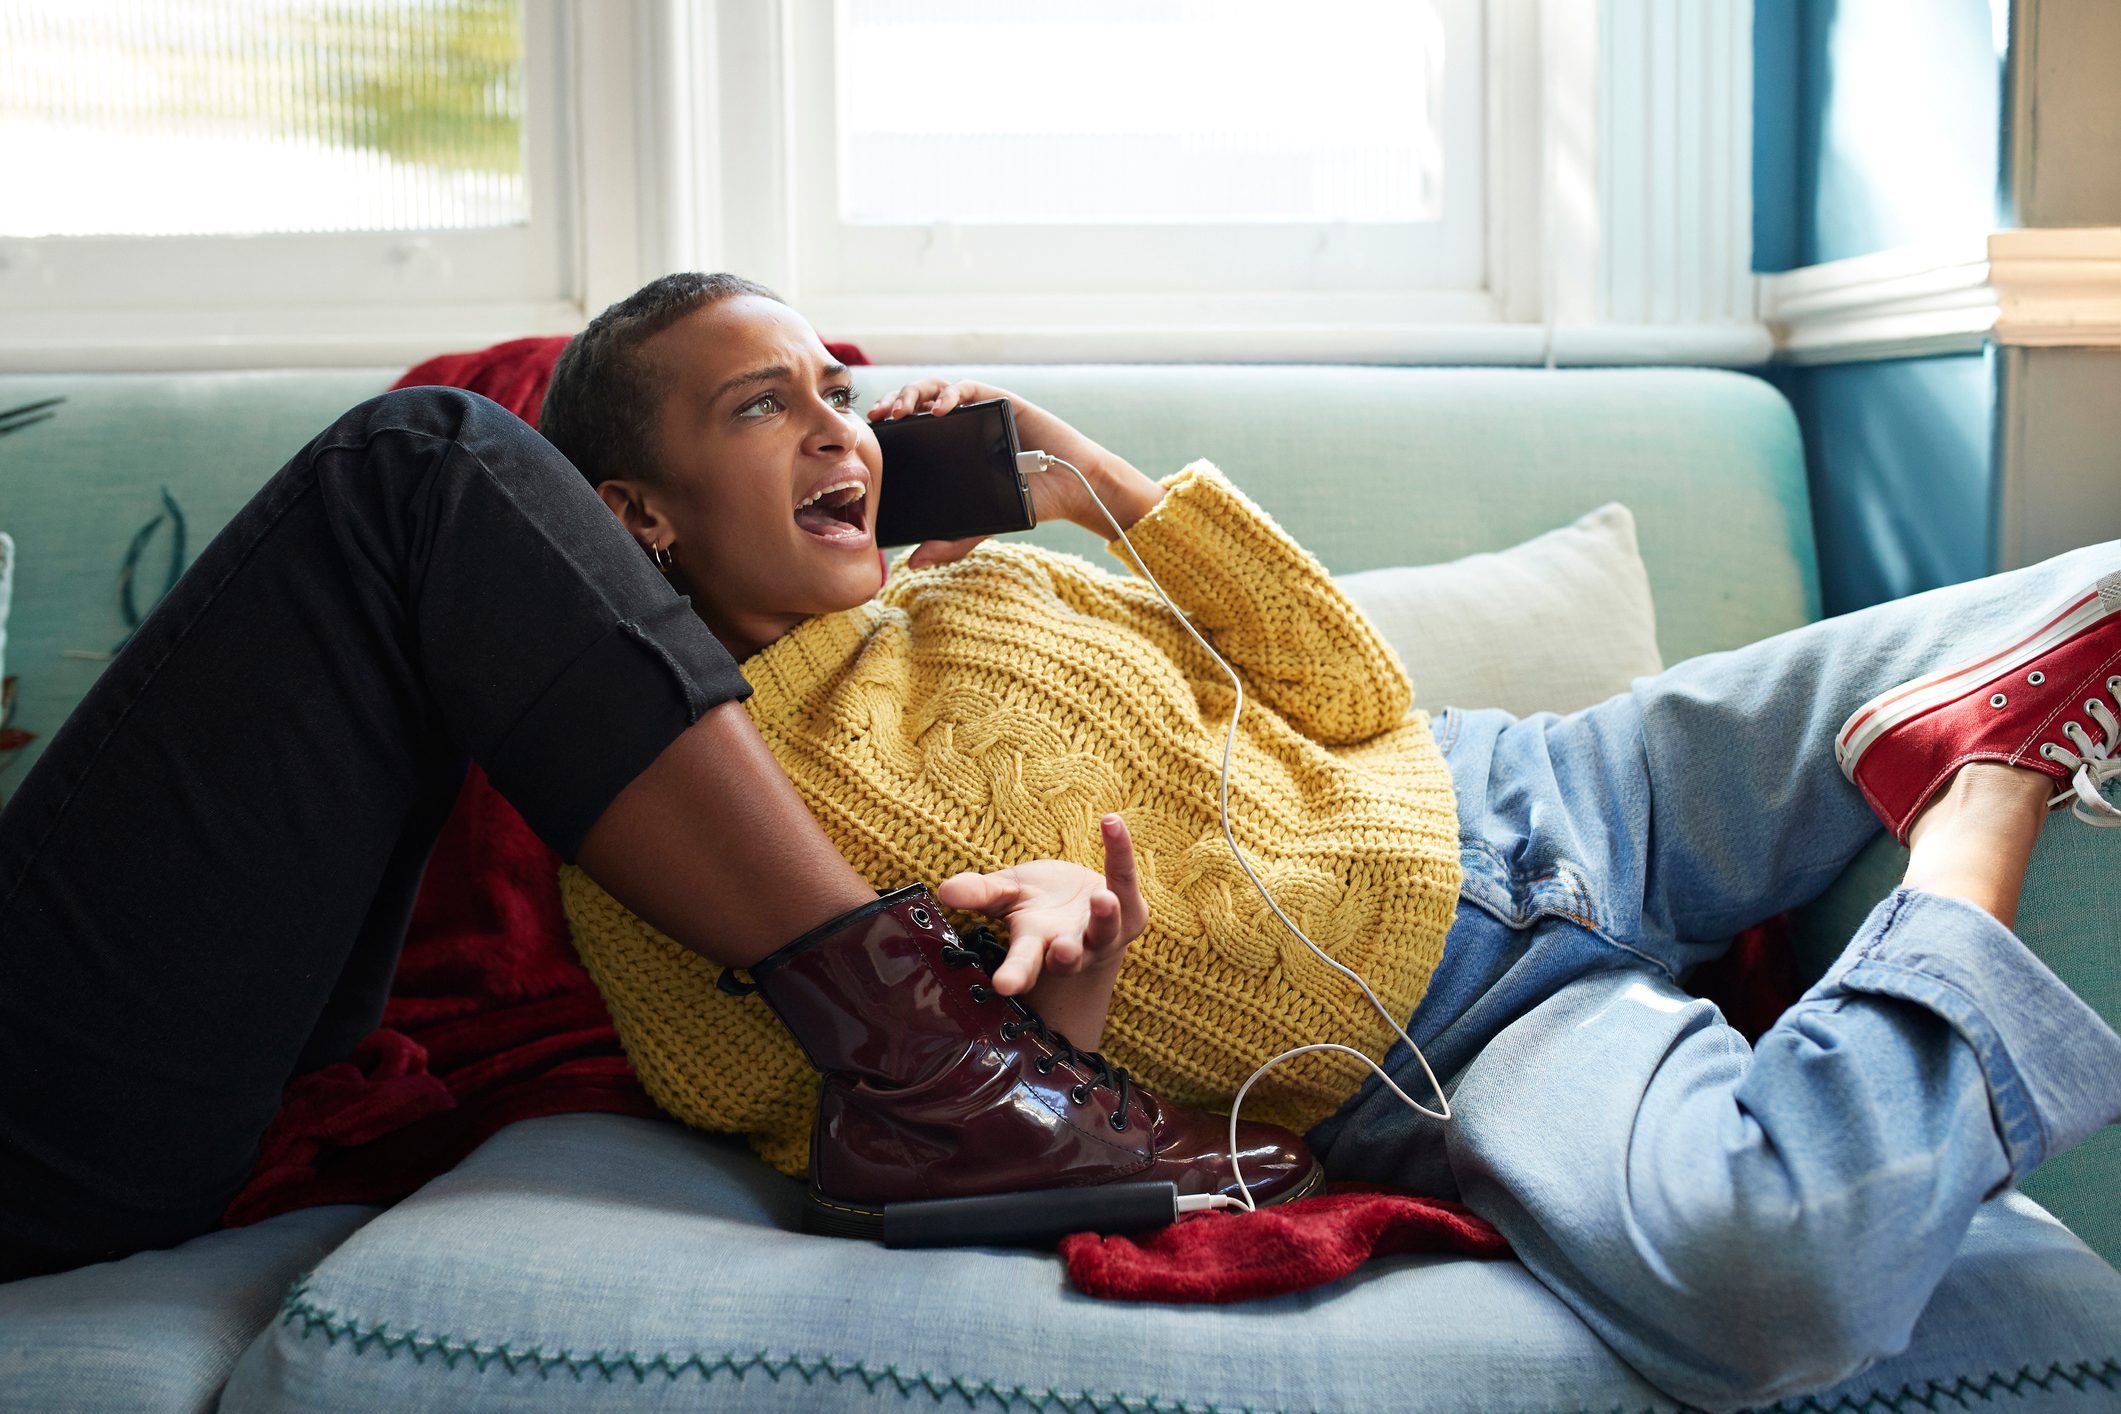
1063	920
1055	494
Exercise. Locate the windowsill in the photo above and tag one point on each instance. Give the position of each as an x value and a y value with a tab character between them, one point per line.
398	338
1716	345
2054	287
147	341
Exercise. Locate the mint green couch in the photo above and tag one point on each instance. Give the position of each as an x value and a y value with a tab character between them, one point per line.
600	1262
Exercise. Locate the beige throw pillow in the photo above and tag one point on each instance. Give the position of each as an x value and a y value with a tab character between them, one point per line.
1560	622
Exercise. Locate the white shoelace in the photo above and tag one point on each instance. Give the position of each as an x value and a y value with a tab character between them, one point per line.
2092	764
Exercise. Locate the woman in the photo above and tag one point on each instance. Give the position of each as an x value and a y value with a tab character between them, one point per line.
1662	1177
1009	706
207	871
205	879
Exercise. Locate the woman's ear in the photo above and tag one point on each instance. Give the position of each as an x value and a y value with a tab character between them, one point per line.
629	501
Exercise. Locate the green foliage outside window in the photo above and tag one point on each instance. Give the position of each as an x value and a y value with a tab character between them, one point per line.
433	82
450	97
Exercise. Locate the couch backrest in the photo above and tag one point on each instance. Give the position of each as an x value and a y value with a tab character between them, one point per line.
1393	466
1366	466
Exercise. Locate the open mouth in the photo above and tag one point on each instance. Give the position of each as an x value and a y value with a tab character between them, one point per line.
836	512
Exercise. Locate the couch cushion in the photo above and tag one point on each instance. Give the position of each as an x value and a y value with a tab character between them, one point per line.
589	1261
80	486
158	1330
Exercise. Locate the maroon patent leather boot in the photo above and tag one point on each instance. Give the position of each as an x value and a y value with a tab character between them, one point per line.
937	1086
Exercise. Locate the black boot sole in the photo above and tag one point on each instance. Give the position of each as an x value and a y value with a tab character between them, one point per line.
828	1217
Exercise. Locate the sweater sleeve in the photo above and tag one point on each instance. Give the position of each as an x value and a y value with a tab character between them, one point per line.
1270	608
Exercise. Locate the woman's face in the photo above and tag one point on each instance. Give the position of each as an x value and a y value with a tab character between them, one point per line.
771	472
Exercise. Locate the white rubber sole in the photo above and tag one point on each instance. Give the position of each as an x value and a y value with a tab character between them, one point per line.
1925	694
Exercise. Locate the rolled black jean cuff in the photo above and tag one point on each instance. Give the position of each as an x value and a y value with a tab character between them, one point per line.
571	753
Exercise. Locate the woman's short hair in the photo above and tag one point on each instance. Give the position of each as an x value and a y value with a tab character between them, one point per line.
605	396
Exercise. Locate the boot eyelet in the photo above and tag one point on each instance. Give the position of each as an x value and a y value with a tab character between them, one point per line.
2051	751
982	992
920	917
1044	1065
2036	677
1010	1030
2091	709
1119	1123
1998	700
1080	1094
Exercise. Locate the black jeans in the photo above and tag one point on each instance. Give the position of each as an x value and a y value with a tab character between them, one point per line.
205	880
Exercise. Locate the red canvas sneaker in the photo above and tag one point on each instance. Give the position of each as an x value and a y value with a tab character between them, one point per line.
2048	700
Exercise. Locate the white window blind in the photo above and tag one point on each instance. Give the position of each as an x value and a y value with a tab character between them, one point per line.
247	117
195	181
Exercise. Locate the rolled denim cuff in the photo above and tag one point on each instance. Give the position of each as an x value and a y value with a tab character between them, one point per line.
606	717
2053	1066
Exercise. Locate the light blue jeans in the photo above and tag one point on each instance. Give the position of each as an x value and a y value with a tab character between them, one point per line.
1739	1223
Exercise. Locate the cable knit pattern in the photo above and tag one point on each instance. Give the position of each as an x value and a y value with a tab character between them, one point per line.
985	713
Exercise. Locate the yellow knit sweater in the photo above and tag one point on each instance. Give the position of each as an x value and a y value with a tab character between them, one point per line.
985	713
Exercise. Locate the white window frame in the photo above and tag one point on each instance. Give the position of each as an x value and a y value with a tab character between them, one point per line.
952	272
1617	185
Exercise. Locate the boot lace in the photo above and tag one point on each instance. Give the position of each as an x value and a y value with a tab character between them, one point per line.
978	947
2093	763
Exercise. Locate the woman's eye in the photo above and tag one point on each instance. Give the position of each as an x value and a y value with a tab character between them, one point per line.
760	405
842	398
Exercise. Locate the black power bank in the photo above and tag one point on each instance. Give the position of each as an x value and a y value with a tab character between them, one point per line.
951	477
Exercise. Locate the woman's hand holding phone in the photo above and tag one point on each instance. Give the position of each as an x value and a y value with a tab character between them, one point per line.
1056	495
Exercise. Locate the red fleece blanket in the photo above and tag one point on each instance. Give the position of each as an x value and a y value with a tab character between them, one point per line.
492	1019
1222	1257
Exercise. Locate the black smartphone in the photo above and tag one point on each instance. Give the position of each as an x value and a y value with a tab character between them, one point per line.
951	477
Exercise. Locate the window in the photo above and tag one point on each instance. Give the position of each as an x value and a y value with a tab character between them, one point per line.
1072	160
1134	114
268	182
250	117
192	171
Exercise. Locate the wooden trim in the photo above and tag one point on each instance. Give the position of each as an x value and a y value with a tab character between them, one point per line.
1903	303
2056	288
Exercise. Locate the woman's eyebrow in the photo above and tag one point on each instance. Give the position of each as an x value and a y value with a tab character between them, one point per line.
767	375
756	375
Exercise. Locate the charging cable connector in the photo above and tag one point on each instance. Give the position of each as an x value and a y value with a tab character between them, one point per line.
1204	1202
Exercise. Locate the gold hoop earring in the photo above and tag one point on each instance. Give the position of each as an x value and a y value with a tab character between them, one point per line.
661	557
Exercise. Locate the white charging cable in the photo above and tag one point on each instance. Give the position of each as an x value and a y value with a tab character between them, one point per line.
1036	461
